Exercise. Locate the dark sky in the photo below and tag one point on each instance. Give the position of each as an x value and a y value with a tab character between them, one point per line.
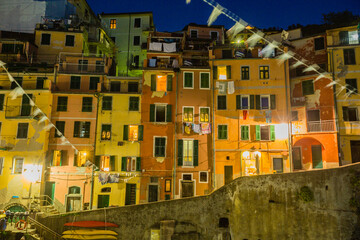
173	15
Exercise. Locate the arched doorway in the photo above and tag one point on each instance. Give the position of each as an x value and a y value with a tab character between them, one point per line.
307	154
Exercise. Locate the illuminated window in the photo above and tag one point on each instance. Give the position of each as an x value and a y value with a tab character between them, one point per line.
222	72
56	161
80	159
188	115
133	133
18	164
264	72
167	185
161	82
81	129
130	164
105	163
245	73
188	147
204	114
106	132
112	23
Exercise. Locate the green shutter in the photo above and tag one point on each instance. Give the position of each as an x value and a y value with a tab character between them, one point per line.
168	113
272	101
152	112
257	101
76	129
51	158
169	82
272	132
138	164
180	152
252	102
345	113
242	133
97	162
246	132
112	163
257	132
215	75
126	133
238	101
2	96
196	152
228	72
141	132
123	164
153	82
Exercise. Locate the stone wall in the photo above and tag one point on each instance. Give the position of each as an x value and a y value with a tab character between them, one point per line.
262	207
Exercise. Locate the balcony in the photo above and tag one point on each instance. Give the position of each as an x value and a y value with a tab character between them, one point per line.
73	63
321	126
19	112
195	62
76	68
161	63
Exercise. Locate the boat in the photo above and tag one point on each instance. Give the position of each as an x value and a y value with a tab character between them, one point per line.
87	237
89	232
90	224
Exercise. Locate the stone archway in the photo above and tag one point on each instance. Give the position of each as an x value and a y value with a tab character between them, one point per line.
309	151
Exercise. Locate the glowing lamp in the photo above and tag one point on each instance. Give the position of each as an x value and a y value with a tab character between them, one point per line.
32	173
257	154
281	131
246	155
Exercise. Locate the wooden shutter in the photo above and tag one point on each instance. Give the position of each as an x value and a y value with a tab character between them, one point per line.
272	101
2	96
112	163
97	162
169	83
215	75
345	113
153	82
272	132
51	158
141	132
126	133
152	112
257	132
76	129
257	101
180	152
123	164
196	153
238	101
138	164
252	102
64	158
228	72
168	113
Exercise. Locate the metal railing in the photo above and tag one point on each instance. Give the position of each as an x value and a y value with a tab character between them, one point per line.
43	229
321	126
82	68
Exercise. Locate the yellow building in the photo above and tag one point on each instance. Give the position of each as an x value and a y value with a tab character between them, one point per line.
118	135
250	116
344	63
23	139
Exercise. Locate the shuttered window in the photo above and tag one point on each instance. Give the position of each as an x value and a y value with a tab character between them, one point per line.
244	132
159	146
222	132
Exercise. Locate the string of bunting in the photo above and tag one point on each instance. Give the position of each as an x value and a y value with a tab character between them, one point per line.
240	25
19	91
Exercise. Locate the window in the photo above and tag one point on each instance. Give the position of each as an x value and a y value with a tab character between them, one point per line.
93	83
204	80
87	104
105	131
80	159
307	87
137	22
112	23
222	72
40	82
221	102
160	113
74	190
81	129
130	164
75	82
83	65
159	146
319	43
264	72
115	86
105	163
133	103
242	102
161	83
354	37
45	39
136	41
188	151
18	165
349	37
277	165
59	158
133	87
244	132
188	114
265	133
2	98
62	104
245	73
60	125
351	85
1	165
18	80
203	177
214	35
349	56
69	40
294	116
193	33
136	61
350	114
167	185
222	132
22	131
133	133
107	103
313	115
188	80
204	114
264	102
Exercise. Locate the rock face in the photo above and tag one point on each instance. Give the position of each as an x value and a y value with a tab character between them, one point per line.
301	205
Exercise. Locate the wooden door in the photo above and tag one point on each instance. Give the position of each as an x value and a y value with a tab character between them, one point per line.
355	151
187	189
103	201
130	196
228	174
153	193
316	153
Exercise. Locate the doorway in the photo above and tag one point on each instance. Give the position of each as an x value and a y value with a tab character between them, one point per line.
296	156
316	152
73	203
103	201
153	193
50	192
228	174
355	151
130	196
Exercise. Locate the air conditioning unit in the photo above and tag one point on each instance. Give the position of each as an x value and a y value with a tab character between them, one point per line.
120	143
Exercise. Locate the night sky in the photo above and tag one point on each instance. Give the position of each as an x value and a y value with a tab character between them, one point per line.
173	15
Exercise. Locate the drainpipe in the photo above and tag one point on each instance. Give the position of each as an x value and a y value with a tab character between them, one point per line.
288	110
175	146
213	124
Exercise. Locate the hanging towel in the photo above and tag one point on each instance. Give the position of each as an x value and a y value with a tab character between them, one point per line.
231	87
152	62
155	46
175	63
196	128
268	116
169	47
187	128
205	128
103	178
114	178
222	87
245	112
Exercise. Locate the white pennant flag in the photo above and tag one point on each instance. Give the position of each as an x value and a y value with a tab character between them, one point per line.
32	102
63	140
43	119
58	133
332	83
215	13
2	64
238	27
269	49
48	127
319	77
285	56
16	92
295	65
253	39
10	77
36	112
313	67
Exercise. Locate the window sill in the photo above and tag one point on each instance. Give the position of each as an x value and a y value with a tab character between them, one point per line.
187	166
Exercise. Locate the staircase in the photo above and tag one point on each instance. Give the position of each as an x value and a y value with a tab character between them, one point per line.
38	231
44	204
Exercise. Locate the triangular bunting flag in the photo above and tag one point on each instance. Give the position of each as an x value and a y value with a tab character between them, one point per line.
215	13
255	38
16	92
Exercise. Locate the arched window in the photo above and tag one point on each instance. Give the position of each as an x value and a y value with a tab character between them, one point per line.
74	190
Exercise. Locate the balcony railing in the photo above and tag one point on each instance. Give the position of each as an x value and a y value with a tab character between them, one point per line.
75	68
189	62
321	126
24	111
